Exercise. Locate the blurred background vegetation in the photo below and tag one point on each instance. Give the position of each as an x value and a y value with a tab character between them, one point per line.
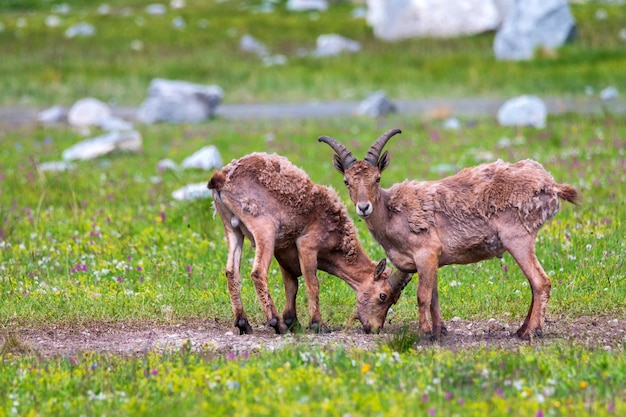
41	67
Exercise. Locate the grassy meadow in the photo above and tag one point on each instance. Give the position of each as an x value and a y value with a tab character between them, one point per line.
106	242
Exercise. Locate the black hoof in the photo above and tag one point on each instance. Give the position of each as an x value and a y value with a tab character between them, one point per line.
278	327
243	326
293	325
319	328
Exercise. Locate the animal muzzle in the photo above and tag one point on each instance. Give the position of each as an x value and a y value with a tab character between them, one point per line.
364	209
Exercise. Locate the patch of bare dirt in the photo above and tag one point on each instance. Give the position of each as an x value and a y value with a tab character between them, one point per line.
138	338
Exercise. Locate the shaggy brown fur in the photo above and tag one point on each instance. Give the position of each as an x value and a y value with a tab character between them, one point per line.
305	227
477	214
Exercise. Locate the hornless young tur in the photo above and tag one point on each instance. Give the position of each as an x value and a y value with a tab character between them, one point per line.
274	204
477	214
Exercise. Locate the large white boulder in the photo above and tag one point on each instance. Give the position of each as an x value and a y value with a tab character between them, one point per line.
400	19
533	24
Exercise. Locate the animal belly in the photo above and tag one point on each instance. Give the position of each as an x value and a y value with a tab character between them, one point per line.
470	250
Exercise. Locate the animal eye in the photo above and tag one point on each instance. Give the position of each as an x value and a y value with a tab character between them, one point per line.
345	181
378	179
382	296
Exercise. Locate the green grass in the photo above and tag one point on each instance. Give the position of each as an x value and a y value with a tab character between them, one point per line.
107	241
40	67
556	381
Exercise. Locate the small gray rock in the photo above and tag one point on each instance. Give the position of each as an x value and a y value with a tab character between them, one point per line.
206	158
129	140
376	105
525	110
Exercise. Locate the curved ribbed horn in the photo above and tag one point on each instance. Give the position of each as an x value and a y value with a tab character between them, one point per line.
345	156
398	280
374	152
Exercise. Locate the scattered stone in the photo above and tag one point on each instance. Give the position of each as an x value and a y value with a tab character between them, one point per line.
331	44
533	24
376	105
177	4
192	192
156	9
62	8
206	158
306	5
166	165
179	22
609	93
272	60
114	123
128	140
400	19
53	21
525	110
54	114
249	44
452	123
80	29
88	112
104	9
56	166
179	102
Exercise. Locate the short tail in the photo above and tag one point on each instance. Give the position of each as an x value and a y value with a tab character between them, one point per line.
217	181
567	193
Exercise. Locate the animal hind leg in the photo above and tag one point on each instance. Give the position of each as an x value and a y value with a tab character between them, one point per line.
290	315
262	259
235	238
523	251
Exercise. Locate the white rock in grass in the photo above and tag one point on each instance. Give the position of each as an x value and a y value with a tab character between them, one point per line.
166	165
206	158
179	102
524	110
53	21
306	5
104	9
129	141
80	29
533	24
177	4
114	123
331	44
156	9
192	192
248	43
609	93
88	112
56	166
376	105
54	114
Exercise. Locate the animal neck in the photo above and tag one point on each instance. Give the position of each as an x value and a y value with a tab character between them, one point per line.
378	221
355	273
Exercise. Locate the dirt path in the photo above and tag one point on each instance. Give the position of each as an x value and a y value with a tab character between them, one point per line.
430	107
138	338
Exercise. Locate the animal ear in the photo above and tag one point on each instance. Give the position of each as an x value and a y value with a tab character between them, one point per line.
380	268
383	161
338	164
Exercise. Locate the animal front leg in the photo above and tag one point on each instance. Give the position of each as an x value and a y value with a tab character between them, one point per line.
427	273
308	265
439	326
